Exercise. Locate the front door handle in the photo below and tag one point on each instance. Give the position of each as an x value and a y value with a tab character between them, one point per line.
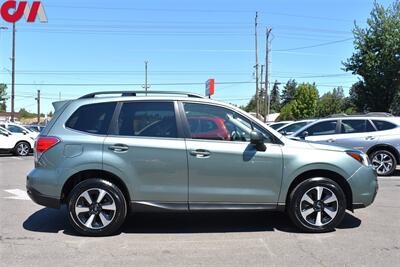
200	153
369	138
331	140
118	148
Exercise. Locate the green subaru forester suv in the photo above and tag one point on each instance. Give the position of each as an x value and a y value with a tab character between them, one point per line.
109	153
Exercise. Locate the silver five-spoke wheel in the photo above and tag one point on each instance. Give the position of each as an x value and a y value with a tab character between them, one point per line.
319	206
95	208
382	163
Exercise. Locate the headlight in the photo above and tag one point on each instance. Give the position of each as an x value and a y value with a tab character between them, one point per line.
360	157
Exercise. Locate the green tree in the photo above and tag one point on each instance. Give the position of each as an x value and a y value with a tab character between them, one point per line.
331	103
304	104
3	96
288	92
275	102
377	60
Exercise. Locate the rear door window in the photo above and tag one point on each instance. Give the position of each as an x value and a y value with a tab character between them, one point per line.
93	118
148	119
384	125
356	126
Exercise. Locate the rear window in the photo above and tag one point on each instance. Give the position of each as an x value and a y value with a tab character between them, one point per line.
384	125
94	118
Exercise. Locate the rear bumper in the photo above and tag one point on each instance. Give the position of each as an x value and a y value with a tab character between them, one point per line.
43	200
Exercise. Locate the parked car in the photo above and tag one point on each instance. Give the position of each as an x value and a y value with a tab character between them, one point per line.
18	129
378	137
105	156
15	144
293	127
277	125
34	128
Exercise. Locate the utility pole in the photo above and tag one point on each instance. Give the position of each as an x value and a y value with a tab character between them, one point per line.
13	74
261	84
266	96
38	106
145	77
256	66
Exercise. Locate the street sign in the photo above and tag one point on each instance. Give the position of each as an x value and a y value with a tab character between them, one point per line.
210	86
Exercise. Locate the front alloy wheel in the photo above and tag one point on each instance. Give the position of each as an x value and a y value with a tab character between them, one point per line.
96	207
317	205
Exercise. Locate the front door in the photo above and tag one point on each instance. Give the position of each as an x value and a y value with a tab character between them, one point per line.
223	166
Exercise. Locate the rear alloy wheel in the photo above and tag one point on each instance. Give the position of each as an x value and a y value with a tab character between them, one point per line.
97	208
22	149
383	162
317	205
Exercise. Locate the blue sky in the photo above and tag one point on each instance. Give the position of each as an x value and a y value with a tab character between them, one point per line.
95	44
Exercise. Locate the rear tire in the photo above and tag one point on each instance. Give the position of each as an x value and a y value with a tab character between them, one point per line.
317	205
384	162
22	149
96	208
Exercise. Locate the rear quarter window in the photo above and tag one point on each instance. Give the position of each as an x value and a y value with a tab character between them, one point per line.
93	118
384	125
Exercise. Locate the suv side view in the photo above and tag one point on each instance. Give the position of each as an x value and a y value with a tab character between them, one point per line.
106	156
378	137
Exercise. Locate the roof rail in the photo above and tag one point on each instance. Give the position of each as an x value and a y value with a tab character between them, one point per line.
370	114
134	93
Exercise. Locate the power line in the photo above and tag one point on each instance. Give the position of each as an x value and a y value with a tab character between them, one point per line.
311	46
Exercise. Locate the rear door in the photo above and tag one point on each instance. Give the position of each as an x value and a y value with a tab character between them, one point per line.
356	133
145	147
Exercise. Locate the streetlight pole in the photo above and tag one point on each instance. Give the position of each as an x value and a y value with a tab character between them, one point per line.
13	75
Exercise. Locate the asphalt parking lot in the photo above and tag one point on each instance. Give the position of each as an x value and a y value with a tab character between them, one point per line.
37	236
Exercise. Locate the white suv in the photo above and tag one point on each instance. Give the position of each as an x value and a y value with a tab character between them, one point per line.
19	145
18	129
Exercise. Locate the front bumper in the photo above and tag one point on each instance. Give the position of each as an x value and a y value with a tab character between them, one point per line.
364	185
43	200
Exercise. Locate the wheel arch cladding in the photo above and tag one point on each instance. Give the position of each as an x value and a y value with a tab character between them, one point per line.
340	180
88	174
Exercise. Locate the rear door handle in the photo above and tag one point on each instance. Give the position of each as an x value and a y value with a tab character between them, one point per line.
369	138
118	148
200	153
330	140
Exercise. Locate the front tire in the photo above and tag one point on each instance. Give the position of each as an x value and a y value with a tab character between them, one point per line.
22	149
384	162
97	208
317	205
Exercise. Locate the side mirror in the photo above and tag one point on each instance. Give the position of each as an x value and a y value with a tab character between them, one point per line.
283	132
25	132
257	139
303	135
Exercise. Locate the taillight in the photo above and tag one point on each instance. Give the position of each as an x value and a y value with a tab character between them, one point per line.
44	143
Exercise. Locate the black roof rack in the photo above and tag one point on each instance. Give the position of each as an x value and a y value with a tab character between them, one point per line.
134	93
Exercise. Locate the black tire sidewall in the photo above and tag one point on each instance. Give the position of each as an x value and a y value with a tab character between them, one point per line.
393	169
120	203
301	189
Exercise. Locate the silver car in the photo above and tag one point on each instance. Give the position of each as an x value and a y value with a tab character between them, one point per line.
378	137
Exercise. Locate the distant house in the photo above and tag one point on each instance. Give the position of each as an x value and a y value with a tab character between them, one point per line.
6	116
